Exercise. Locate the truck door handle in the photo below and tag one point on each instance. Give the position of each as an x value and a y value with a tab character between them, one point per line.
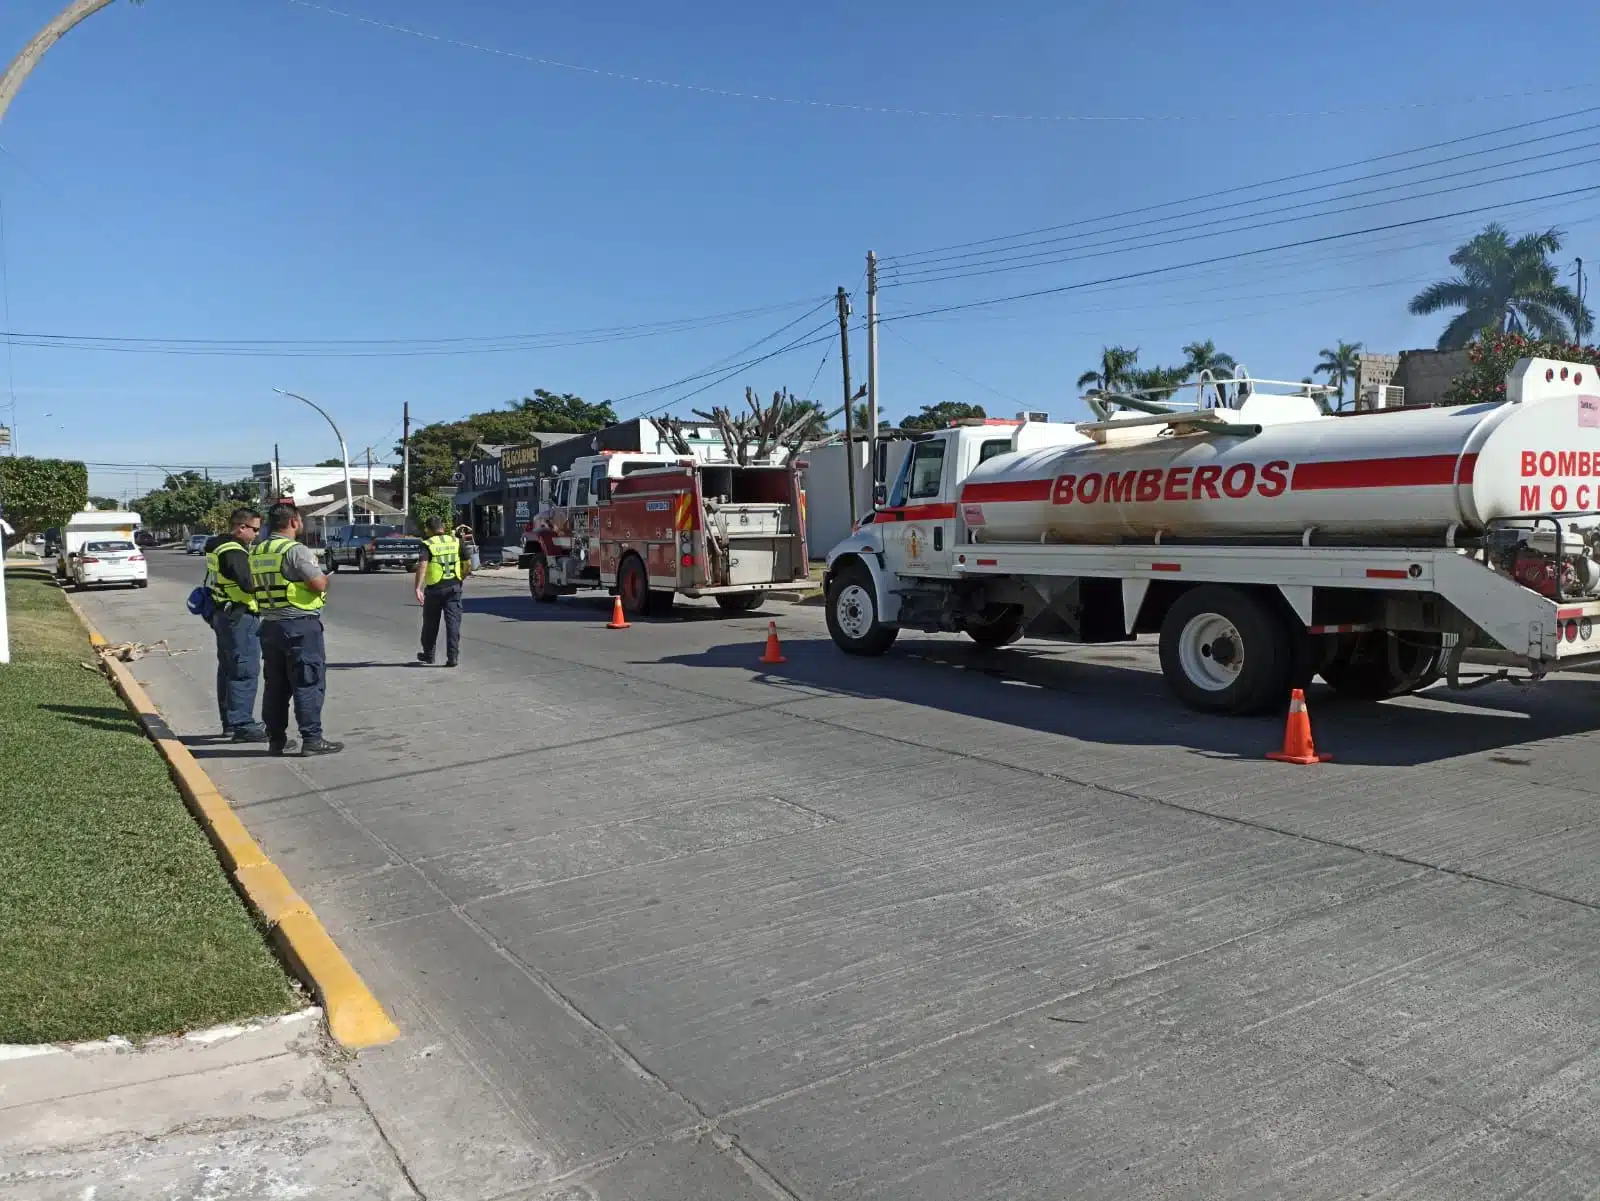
938	537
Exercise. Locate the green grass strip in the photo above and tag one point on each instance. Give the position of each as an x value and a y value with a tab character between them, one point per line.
115	915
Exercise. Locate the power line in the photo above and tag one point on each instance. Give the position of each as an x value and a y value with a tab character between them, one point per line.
883	110
1235	255
904	259
260	348
1093	250
984	257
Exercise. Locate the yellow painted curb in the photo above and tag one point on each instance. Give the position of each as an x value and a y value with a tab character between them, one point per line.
355	1018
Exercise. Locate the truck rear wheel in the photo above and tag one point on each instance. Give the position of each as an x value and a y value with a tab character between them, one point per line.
1226	650
633	586
539	581
1380	664
741	602
996	627
853	614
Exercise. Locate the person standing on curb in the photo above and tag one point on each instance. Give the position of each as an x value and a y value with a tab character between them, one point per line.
440	572
291	589
234	620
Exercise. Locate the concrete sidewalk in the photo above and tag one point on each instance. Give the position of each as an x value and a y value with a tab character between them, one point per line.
245	1112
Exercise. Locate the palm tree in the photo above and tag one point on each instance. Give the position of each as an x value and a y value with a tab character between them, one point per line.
1204	356
1339	365
1506	286
1115	374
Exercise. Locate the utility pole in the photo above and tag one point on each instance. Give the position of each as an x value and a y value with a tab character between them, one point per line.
1579	323
369	471
872	377
277	475
405	464
843	302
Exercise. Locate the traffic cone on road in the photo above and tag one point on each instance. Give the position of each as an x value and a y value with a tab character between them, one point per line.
1297	744
774	652
618	621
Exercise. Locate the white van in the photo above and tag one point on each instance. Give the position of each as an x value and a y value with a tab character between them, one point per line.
111	525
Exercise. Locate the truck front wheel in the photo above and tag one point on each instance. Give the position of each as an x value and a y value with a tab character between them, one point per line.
539	581
1377	665
853	614
1226	650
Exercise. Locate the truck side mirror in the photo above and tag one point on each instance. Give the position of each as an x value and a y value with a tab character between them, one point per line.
880	495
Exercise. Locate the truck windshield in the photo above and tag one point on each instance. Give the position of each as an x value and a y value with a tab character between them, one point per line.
927	469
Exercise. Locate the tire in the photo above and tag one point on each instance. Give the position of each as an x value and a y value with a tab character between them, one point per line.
741	602
852	612
1227	650
996	629
633	586
141	583
539	581
333	565
1363	668
362	565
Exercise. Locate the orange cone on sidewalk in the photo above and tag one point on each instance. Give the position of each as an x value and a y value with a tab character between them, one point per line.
774	652
1297	744
618	621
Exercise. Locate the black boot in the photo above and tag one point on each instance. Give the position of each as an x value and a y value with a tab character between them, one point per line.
321	746
287	747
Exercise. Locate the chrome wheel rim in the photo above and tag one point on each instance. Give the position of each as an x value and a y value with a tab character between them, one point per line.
1211	651
852	609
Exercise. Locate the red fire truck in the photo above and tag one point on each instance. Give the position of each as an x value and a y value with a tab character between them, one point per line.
649	528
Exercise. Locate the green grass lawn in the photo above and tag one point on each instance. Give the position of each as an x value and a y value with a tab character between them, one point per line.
115	915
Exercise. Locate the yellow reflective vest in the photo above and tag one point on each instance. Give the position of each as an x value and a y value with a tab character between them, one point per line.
444	559
223	590
272	590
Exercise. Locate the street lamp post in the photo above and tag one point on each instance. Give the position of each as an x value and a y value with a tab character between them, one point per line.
58	28
344	453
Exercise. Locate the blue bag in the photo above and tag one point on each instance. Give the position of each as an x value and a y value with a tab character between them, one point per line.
201	604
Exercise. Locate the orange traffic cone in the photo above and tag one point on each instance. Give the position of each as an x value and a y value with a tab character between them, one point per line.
618	621
774	652
1297	744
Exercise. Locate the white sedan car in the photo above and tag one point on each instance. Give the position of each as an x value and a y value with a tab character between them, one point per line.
110	562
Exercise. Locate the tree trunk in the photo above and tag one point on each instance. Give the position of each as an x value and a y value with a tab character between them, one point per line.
65	20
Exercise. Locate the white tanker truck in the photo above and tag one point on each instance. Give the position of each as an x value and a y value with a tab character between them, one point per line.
1263	540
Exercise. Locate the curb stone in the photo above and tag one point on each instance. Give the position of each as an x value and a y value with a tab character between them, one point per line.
355	1018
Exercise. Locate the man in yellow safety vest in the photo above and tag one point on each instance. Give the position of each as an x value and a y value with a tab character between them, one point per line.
236	624
291	588
440	571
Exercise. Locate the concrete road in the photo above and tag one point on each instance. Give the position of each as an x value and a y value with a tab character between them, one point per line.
661	923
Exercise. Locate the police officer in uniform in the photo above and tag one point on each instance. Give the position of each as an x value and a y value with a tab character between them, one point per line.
440	571
291	588
234	620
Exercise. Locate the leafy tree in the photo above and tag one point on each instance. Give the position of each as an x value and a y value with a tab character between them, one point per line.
1510	287
564	413
426	505
1339	365
1116	362
1157	383
186	500
1492	355
437	449
36	494
938	416
331	463
106	504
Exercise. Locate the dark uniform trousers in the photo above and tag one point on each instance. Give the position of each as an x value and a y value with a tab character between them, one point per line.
442	600
238	664
293	663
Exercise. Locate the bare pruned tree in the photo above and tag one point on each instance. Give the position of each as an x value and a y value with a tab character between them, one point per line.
753	437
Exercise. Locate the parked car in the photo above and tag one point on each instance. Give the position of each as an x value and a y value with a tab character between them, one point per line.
197	544
91	525
144	538
110	562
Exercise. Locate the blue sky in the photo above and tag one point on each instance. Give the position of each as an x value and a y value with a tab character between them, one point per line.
265	170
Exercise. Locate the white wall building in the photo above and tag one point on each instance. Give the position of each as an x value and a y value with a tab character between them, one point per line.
304	480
